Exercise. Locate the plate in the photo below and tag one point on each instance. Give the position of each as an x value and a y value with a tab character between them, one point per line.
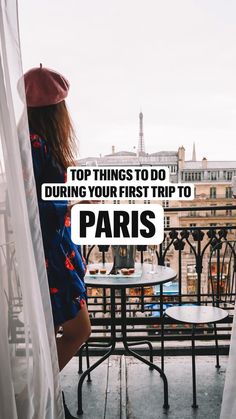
119	275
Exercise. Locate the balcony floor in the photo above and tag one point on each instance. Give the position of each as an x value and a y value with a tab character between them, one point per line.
124	388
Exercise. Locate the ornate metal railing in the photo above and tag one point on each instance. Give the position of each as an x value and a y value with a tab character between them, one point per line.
205	262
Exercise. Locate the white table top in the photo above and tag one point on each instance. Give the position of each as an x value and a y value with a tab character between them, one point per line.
196	314
162	274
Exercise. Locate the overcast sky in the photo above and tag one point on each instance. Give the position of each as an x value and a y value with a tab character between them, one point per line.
174	59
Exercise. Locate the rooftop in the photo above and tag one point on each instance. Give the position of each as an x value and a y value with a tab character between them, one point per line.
122	153
210	165
164	153
129	157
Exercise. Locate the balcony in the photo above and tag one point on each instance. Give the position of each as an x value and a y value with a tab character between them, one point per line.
204	196
124	387
221	212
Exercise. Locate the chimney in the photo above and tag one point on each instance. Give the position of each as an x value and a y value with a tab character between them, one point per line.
181	157
194	153
113	149
204	163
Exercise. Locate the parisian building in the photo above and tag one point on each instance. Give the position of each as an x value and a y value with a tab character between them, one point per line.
212	185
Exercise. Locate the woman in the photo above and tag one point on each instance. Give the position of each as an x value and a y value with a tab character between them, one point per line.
53	145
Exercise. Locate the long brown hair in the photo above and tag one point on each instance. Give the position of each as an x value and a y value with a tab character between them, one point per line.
53	123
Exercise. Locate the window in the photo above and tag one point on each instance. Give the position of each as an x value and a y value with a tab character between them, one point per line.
191	251
192	212
165	204
228	192
228	212
213	192
166	221
229	175
192	225
213	176
213	212
191	279
165	243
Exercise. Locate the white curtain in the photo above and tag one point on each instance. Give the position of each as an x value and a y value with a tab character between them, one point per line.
29	376
228	408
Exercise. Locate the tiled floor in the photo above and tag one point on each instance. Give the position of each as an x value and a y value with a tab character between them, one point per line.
125	388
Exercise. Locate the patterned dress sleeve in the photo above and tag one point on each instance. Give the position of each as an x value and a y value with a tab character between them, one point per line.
54	212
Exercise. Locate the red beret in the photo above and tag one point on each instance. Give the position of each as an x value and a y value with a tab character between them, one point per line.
44	87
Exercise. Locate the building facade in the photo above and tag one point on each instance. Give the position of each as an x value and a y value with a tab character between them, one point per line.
212	181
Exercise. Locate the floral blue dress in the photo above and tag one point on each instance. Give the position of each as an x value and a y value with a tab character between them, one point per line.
64	262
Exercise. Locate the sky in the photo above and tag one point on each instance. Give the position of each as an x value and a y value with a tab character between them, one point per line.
173	59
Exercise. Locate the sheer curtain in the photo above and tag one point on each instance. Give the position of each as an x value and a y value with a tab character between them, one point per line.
29	377
228	408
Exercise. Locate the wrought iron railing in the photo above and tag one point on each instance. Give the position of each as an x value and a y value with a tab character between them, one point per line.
189	251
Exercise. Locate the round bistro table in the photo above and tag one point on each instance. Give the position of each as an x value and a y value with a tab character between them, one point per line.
162	275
